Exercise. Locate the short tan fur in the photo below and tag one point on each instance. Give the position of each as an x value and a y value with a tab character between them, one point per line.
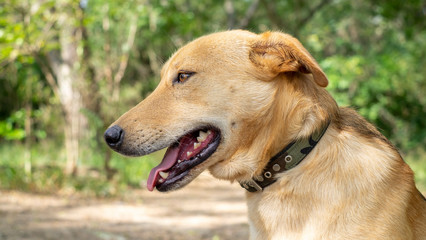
262	92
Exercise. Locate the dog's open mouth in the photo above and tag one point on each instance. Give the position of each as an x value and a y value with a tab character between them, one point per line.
191	150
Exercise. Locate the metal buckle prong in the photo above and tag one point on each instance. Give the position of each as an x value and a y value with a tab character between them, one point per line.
254	184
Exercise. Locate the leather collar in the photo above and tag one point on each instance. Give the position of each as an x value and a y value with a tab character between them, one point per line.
286	159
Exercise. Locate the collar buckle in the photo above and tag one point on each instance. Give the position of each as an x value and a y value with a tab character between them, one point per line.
251	186
285	160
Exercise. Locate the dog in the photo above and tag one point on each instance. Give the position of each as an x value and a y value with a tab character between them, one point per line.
253	108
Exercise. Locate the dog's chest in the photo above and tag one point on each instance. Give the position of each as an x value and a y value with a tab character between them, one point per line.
272	218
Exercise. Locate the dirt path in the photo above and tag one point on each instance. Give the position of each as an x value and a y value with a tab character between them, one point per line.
206	209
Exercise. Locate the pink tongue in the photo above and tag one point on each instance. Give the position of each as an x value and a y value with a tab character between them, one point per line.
169	160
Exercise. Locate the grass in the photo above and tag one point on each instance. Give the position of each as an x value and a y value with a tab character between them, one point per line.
48	161
47	176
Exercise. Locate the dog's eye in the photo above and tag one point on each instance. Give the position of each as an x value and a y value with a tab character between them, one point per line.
183	76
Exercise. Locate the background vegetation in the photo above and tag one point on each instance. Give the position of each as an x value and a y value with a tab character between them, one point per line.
68	68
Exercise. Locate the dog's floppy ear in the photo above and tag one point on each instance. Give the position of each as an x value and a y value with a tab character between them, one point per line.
279	53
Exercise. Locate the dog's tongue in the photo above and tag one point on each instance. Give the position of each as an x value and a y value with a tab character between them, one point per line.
169	160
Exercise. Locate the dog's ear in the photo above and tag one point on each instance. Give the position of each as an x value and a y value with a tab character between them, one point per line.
279	53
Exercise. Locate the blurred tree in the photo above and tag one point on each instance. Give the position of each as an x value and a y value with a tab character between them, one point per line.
65	65
52	38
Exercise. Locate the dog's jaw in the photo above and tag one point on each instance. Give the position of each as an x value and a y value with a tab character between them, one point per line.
182	160
240	165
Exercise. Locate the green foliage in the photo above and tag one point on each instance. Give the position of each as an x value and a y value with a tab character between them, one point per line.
386	87
13	127
372	52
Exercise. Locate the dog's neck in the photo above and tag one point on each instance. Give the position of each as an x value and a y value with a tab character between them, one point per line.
286	159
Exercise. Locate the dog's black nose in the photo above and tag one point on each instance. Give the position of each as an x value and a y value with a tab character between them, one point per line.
114	136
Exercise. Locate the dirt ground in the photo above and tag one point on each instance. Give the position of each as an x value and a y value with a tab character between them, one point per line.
205	209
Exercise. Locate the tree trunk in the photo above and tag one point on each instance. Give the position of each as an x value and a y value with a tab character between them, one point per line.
65	65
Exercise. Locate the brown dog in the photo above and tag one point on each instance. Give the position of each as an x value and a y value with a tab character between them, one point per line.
253	108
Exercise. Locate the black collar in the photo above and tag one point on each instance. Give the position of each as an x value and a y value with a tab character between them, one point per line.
285	160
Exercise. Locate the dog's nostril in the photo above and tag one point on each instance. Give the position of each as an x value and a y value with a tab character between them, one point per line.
114	136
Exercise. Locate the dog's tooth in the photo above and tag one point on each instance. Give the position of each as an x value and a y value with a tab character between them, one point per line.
209	132
164	174
197	145
160	180
188	154
179	161
202	137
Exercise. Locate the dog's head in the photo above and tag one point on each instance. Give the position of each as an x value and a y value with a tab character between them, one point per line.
222	104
